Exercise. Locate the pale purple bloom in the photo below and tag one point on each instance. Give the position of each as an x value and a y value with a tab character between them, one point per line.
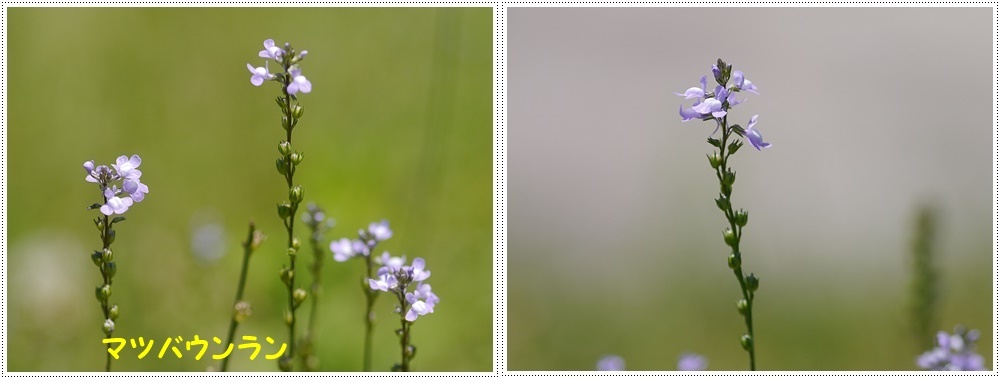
953	352
754	137
424	292
688	113
115	204
716	71
345	248
695	92
611	362
385	282
299	82
417	307
419	274
733	101
390	264
743	84
710	106
259	74
380	230
128	168
270	51
692	362
135	189
94	174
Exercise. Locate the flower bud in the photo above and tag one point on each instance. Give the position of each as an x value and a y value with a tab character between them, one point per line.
297	111
110	269
104	292
730	237
295	194
735	261
410	351
752	283
299	295
286	276
746	342
107	255
291	251
97	257
113	312
285	122
284	210
741	306
741	218
257	239
281	165
714	160
295	243
241	311
296	158
108	327
288	317
722	202
285	148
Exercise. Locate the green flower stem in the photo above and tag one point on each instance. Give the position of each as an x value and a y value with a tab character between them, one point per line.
734	234
308	352
370	297
253	240
106	266
406	351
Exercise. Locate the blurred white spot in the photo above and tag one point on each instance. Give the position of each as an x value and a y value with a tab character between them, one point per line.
208	237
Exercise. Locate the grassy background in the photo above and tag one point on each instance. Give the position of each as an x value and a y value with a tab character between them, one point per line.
398	126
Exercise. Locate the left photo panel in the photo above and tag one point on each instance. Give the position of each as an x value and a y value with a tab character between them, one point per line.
210	189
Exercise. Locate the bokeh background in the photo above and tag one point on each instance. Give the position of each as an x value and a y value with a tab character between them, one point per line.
615	243
398	126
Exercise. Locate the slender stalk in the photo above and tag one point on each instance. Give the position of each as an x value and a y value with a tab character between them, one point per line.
735	260
404	333
106	240
315	219
240	308
370	297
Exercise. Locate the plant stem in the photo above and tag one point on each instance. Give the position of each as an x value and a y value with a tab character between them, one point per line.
234	320
317	269
738	233
404	337
106	244
370	296
290	223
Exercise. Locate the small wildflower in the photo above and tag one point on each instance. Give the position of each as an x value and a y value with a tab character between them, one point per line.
953	352
128	168
380	230
753	135
345	248
259	75
692	362
115	204
270	51
611	362
299	83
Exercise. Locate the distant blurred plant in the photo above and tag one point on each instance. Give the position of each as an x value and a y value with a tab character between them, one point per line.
116	201
241	308
692	362
314	218
953	352
345	249
395	277
611	362
292	82
924	296
715	106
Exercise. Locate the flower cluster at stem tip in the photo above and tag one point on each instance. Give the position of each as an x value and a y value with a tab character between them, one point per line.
344	249
126	170
715	105
284	56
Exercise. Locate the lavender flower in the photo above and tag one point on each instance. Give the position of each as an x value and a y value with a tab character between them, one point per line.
754	137
299	82
115	205
954	352
742	83
695	92
344	249
611	362
380	230
397	278
271	51
259	74
692	362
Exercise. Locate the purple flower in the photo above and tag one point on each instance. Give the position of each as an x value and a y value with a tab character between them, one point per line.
424	292
128	168
954	352
611	362
270	51
754	137
96	174
380	230
390	264
419	274
418	307
692	362
259	74
385	282
345	248
299	82
710	106
135	189
689	113
695	92
115	204
743	84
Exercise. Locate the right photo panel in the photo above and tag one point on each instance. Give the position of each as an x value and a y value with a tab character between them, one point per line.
750	189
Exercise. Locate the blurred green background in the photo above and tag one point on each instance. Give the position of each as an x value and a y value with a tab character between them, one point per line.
398	126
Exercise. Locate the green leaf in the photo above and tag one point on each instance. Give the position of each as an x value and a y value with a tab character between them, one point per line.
117	219
715	142
735	146
94	206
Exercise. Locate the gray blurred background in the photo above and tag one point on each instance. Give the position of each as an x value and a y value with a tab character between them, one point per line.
615	243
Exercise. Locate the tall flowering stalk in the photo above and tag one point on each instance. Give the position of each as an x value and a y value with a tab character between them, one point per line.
345	249
715	106
116	201
396	278
241	308
292	83
924	282
318	224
